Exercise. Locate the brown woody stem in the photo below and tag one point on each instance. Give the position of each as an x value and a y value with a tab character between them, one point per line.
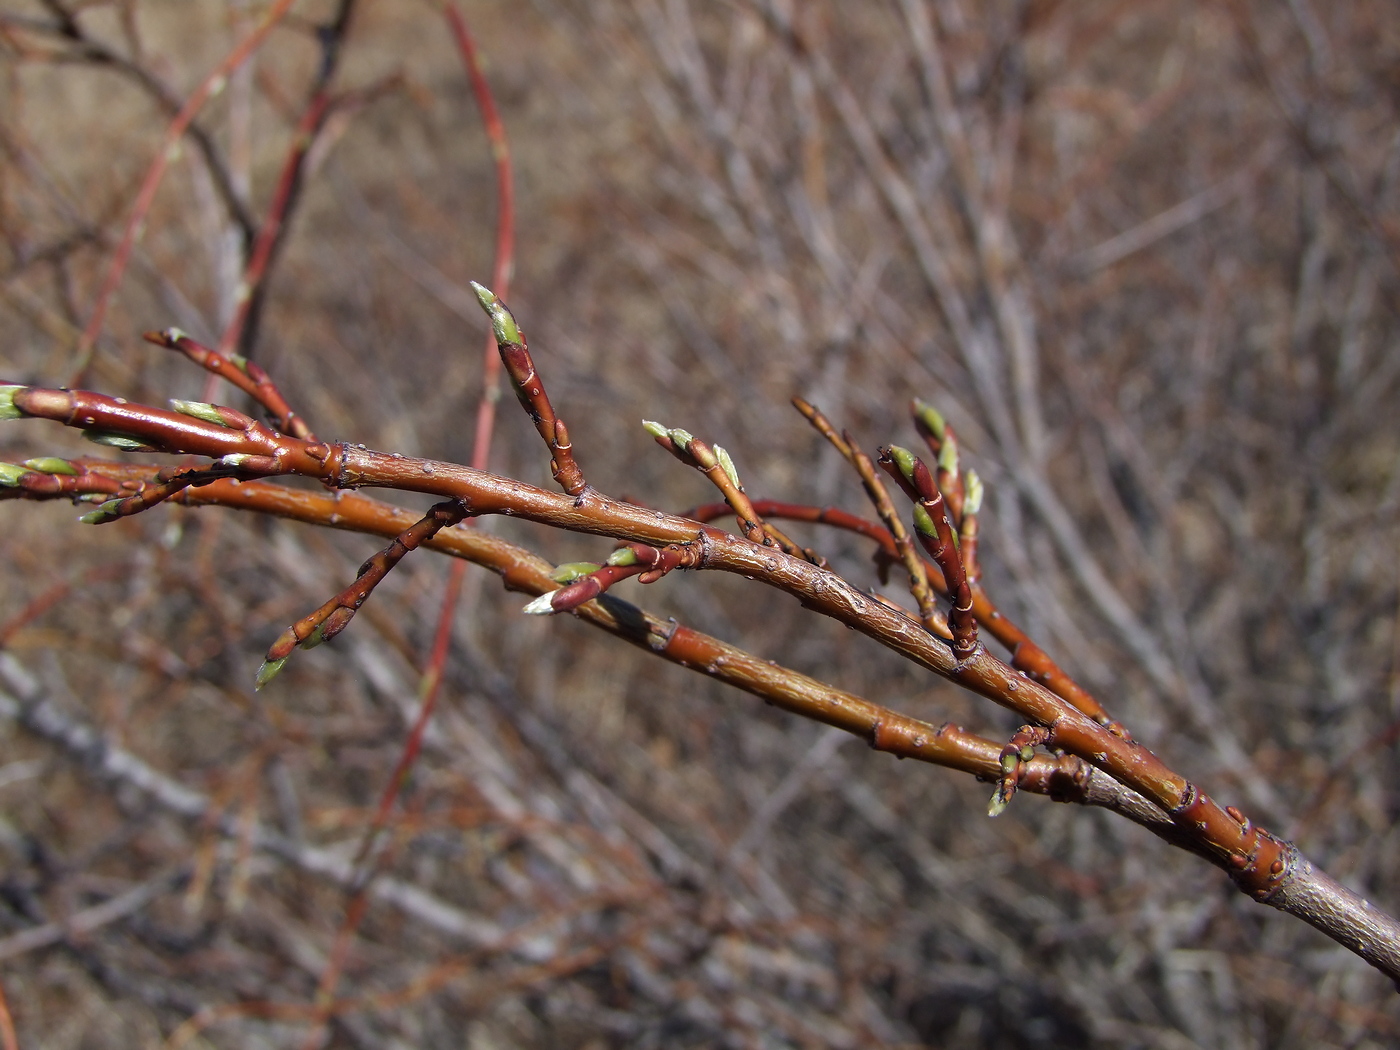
1260	864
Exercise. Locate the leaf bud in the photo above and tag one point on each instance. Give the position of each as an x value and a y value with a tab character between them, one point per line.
569	571
50	465
502	321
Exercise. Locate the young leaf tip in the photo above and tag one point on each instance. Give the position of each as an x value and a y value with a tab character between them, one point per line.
103	514
923	522
10	473
7	402
502	322
541	606
727	465
904	460
929	417
268	671
201	410
998	804
50	465
948	458
656	430
975	491
569	571
112	439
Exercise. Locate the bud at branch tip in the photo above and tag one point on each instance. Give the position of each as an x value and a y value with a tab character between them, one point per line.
502	322
103	514
7	402
50	465
929	417
727	465
904	460
569	571
541	606
975	492
268	671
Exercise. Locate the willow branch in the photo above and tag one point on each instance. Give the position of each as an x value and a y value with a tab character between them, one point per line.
1259	863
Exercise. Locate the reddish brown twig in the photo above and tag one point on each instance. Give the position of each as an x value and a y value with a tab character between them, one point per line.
246	375
716	464
914	566
165	484
936	534
50	477
335	615
529	390
584	582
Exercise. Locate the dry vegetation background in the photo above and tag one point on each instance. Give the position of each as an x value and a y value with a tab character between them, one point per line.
1144	255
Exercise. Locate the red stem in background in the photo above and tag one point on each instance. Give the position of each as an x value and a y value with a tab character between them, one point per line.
501	271
8	1039
212	85
270	234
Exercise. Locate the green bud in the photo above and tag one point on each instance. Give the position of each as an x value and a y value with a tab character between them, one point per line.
622	557
682	438
50	465
904	460
10	473
315	638
7	402
929	417
199	410
948	458
502	323
924	522
174	335
112	439
973	503
235	459
998	804
727	465
105	513
1009	763
268	671
570	571
656	430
